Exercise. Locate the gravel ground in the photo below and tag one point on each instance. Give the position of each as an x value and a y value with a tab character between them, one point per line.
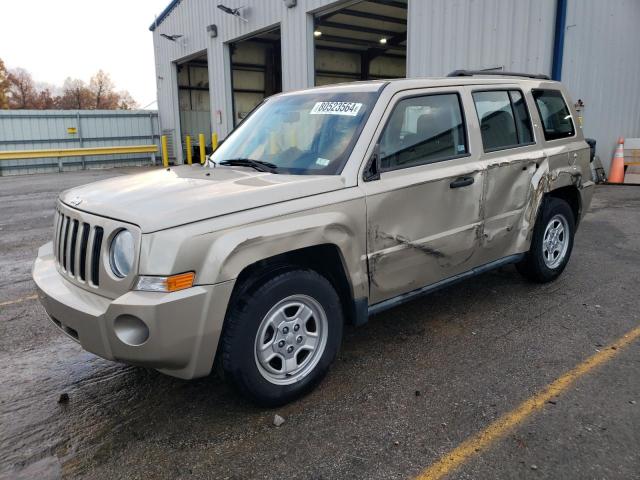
407	387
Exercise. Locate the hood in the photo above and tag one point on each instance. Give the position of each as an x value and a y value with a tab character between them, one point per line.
171	197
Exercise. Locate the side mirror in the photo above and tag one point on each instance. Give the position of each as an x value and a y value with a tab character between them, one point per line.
372	171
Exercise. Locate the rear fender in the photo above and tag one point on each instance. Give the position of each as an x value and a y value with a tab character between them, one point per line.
545	180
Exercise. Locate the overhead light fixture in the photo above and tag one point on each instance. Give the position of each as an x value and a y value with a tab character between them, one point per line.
233	11
383	41
317	33
173	38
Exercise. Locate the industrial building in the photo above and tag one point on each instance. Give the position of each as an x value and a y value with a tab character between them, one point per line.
217	59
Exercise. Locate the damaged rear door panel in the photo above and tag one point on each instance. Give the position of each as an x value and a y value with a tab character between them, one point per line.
506	139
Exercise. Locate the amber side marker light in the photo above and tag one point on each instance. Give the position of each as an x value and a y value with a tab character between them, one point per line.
172	283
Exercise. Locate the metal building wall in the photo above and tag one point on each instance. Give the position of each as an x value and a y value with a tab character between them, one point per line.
601	66
445	35
47	129
191	17
600	50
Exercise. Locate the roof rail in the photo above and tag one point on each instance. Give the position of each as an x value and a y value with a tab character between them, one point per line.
471	73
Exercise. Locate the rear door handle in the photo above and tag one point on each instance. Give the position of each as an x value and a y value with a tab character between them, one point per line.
461	182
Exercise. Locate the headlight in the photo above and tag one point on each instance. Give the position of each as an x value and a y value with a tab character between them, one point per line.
122	253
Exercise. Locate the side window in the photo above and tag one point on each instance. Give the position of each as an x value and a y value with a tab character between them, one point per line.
504	119
422	130
555	116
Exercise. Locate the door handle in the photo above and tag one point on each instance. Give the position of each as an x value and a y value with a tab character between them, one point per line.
461	182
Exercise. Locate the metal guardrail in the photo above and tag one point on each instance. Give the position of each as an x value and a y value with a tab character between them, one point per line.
75	152
38	141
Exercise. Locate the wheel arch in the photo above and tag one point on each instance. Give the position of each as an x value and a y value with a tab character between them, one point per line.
571	195
326	259
559	183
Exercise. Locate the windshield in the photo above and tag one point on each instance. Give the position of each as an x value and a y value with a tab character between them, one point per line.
304	134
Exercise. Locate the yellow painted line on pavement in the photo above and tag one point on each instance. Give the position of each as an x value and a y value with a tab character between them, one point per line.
19	300
467	449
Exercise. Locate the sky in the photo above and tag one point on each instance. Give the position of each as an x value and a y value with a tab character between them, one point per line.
56	39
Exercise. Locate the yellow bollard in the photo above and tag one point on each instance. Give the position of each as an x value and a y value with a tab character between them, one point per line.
214	141
165	152
203	152
189	150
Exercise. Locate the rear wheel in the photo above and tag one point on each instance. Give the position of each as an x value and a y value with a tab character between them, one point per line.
551	243
282	336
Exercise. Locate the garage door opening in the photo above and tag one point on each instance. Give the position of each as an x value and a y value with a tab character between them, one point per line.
364	40
195	109
256	71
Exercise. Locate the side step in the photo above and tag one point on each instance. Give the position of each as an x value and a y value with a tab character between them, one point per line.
405	297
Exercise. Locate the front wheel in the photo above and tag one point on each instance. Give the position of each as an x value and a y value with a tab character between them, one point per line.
282	336
551	243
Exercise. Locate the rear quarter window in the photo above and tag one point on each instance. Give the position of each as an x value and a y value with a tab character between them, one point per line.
504	119
554	113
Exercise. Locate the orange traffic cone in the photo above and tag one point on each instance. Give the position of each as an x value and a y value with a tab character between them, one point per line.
616	173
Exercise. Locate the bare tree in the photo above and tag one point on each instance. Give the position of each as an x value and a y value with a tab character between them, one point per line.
22	91
126	101
102	90
19	91
76	95
4	86
45	100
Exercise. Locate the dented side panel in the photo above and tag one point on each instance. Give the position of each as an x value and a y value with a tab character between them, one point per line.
566	164
419	229
518	178
218	250
508	191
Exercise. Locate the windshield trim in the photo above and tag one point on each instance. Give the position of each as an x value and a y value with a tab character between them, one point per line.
358	132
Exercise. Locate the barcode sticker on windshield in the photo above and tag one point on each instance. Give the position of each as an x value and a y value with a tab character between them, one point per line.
336	108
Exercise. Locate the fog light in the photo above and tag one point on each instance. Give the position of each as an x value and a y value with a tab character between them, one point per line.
131	330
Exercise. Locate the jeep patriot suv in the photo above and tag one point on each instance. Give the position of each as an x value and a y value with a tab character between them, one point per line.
324	206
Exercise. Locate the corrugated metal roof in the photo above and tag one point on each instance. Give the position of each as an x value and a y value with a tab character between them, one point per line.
164	14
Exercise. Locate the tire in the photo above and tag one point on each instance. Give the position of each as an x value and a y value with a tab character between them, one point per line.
267	320
541	264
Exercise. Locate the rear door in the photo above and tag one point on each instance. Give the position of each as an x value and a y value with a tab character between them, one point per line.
424	212
510	155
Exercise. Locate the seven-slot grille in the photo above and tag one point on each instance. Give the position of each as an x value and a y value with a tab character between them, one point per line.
77	246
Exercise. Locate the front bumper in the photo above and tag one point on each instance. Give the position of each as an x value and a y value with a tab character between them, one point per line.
183	327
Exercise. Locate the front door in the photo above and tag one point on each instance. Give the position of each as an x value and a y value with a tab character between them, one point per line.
424	212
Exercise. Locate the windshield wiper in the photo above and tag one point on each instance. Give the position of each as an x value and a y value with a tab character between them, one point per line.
248	162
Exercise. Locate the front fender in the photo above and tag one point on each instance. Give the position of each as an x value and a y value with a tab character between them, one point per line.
233	251
219	250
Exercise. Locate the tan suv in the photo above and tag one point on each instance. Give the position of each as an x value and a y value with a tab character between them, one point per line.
324	206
